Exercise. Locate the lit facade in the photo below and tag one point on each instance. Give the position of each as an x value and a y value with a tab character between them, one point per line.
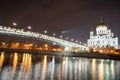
103	37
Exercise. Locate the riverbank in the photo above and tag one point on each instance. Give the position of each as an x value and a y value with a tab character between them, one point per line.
64	54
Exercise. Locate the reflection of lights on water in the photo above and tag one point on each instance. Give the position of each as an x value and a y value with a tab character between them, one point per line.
63	67
15	61
1	59
93	69
6	73
70	69
26	64
37	71
118	64
52	66
100	71
43	77
76	68
79	68
107	71
112	70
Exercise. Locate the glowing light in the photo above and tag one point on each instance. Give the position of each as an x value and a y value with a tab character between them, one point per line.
28	46
44	68
15	45
61	36
93	69
29	27
14	24
45	31
76	41
112	70
67	48
53	67
26	64
1	59
46	45
101	71
72	39
66	37
15	61
54	34
54	43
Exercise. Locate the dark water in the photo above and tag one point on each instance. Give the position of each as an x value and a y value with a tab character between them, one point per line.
14	66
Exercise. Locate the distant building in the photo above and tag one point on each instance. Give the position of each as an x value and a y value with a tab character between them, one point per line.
103	37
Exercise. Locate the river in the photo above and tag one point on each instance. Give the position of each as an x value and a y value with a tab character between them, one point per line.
25	66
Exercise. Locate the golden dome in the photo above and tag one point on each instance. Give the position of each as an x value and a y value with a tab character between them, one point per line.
101	23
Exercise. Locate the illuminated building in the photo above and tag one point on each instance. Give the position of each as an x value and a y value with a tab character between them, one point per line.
103	37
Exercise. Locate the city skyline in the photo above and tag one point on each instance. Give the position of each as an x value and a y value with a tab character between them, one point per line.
72	18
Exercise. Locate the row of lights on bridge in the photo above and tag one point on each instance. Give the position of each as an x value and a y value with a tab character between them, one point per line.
29	28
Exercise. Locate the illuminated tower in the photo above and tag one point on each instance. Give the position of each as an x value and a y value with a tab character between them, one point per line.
91	32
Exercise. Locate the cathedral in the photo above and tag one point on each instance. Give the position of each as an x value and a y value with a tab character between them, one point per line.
103	37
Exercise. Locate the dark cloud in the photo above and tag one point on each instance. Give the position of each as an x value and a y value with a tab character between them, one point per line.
76	16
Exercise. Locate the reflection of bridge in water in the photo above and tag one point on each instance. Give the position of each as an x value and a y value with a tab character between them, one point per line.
68	45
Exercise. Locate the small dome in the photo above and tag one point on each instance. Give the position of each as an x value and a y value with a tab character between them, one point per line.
91	30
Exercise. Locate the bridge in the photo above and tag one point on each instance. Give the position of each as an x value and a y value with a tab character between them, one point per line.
68	45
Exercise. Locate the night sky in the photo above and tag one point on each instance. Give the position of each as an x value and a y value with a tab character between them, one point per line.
72	18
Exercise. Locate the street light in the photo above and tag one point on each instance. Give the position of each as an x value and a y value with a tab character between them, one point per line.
29	27
45	32
72	39
80	42
67	38
54	34
14	24
76	41
61	36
